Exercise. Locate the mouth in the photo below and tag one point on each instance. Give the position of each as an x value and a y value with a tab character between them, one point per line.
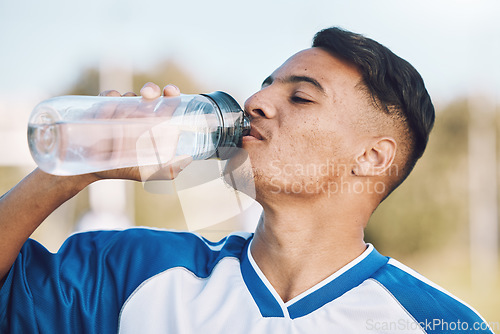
253	135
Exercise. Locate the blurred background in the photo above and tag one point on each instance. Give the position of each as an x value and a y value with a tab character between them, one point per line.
443	221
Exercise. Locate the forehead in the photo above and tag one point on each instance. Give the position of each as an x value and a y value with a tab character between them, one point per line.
332	72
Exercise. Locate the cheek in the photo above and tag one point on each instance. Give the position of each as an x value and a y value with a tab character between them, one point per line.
309	138
319	143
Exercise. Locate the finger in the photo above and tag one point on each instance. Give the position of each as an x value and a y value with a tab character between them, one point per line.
171	90
129	94
111	92
150	91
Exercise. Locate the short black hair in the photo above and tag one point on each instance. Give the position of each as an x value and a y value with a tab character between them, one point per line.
392	82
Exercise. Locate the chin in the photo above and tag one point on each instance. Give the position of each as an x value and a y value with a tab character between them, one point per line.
238	173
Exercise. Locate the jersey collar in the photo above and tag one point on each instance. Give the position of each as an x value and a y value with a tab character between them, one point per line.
271	305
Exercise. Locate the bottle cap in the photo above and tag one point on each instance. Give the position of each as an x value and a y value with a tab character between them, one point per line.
235	124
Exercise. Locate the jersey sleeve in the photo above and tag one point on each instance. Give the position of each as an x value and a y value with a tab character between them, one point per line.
83	286
60	292
434	309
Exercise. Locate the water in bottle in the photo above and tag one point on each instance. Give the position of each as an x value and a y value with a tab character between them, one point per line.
72	135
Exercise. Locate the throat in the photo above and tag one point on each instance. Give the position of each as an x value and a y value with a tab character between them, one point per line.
297	249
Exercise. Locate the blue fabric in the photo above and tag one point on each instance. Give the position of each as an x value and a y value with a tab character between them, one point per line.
82	288
434	310
264	299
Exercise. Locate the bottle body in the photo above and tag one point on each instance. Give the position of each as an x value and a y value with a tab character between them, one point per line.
72	135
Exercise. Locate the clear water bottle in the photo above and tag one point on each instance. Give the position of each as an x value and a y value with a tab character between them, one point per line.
72	135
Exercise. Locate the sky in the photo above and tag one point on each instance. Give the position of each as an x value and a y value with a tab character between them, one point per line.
233	45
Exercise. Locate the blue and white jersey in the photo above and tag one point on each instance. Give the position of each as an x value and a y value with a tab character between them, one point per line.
153	281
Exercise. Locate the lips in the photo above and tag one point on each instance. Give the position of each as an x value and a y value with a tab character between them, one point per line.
255	133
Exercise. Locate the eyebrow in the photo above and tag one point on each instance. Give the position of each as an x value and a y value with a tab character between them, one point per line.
295	79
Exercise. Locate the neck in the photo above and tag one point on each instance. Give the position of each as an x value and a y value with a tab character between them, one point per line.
298	245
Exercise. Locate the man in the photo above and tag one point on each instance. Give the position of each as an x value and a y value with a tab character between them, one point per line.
334	130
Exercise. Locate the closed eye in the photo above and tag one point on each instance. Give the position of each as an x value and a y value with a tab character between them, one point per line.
297	99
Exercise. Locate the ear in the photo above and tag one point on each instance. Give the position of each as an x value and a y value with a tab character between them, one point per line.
376	159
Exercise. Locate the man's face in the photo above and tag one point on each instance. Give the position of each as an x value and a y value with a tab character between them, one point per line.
304	123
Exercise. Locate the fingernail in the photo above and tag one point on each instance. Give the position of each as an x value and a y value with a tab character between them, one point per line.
174	87
147	91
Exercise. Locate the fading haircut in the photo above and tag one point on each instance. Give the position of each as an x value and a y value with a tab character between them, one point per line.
394	86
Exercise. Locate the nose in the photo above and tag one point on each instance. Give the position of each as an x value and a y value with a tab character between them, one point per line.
260	105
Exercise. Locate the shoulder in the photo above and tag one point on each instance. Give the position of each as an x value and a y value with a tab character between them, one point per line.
149	237
164	248
139	252
434	308
93	268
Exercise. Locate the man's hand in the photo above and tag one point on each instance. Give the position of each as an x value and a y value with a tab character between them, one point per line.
149	91
165	171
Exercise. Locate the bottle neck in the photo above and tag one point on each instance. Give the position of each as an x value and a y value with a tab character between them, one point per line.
231	134
235	124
